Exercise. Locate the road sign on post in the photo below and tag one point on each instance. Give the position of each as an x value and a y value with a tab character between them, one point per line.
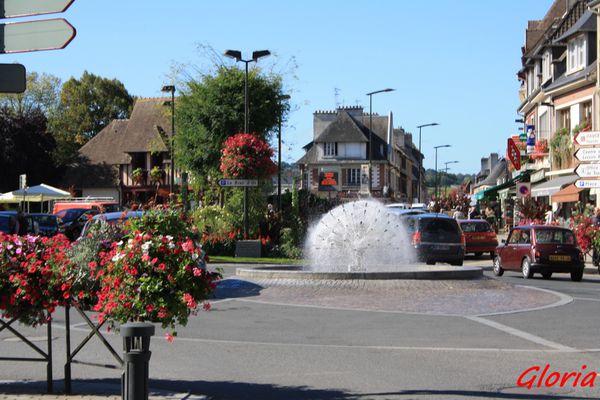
12	78
24	8
588	170
238	182
588	154
587	183
50	34
587	138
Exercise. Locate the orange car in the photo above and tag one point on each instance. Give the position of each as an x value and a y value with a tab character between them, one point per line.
479	236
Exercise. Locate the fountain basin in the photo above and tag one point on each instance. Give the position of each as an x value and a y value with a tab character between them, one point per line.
420	272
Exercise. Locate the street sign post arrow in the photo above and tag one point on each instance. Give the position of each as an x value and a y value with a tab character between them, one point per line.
23	8
588	154
587	183
50	34
587	138
588	170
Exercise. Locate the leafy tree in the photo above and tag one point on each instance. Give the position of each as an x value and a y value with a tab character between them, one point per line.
25	148
86	106
42	93
211	108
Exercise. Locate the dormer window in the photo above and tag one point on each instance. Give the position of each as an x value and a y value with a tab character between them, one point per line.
576	54
546	58
330	149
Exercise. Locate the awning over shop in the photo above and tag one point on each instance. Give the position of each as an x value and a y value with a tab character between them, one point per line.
550	187
569	194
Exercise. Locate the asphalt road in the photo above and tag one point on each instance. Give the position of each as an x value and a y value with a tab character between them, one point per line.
248	348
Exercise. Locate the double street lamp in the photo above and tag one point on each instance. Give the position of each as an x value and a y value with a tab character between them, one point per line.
281	99
171	89
371	133
446	168
237	55
421	159
436	168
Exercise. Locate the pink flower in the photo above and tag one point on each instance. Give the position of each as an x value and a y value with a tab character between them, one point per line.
169	337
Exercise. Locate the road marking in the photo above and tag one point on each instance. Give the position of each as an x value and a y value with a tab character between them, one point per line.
522	334
585	298
562	300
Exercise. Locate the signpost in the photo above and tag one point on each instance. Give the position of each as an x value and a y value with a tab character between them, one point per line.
514	154
12	78
588	170
24	8
50	34
238	182
587	183
588	154
587	138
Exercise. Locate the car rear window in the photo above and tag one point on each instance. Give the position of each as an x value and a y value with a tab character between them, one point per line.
45	220
439	229
477	226
554	236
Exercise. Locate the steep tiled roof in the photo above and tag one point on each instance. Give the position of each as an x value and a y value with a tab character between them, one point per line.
107	146
148	119
534	34
343	129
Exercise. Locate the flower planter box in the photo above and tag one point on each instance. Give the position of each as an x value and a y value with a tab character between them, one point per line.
248	248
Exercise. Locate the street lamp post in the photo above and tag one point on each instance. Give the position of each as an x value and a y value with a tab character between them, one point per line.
171	89
436	168
446	168
237	55
421	159
371	134
281	99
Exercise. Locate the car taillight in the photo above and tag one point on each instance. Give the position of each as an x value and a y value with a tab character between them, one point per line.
416	238
463	240
536	253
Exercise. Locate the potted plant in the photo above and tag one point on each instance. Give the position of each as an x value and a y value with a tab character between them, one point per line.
137	175
156	174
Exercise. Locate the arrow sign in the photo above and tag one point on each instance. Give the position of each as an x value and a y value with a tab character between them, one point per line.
588	170
587	138
587	183
50	34
23	8
588	154
238	182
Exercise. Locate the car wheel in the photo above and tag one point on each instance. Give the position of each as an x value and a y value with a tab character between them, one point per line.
429	262
478	254
546	275
577	276
498	270
526	269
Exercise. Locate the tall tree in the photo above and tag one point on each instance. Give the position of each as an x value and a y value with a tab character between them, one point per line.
86	106
211	108
25	148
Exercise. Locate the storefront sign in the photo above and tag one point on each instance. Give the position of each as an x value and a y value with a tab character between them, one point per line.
328	181
514	155
530	139
537	176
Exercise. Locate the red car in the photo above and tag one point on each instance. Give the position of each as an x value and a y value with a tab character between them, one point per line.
540	248
479	236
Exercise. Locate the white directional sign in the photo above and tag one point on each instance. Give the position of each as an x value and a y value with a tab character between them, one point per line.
588	170
23	8
587	183
238	182
588	154
50	34
587	138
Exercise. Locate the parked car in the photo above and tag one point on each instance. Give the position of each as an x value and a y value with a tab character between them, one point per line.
111	218
405	212
5	224
479	236
46	224
32	226
436	238
74	219
102	204
540	249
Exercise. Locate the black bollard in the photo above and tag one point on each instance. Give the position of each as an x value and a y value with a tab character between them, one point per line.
136	360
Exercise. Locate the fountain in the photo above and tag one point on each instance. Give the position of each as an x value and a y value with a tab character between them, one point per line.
359	240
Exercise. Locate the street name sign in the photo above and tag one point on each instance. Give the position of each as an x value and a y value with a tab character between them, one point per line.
50	34
587	138
587	183
588	170
24	8
12	78
588	154
238	182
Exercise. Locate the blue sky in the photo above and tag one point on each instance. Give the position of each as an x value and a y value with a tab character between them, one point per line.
451	61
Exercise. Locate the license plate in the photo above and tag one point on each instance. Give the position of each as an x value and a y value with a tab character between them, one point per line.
478	237
560	258
441	248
